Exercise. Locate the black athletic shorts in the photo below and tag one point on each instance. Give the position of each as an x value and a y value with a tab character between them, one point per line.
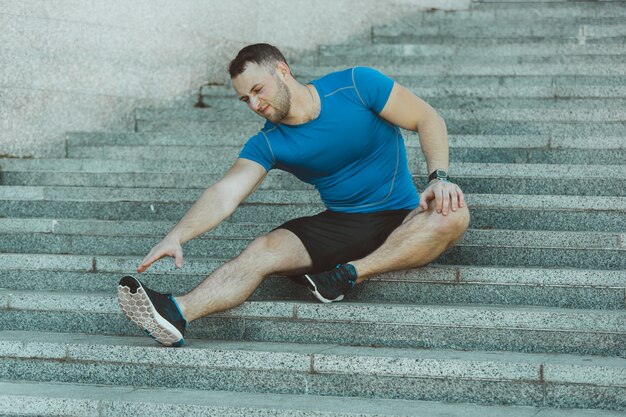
332	238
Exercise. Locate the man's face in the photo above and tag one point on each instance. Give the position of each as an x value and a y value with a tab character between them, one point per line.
264	92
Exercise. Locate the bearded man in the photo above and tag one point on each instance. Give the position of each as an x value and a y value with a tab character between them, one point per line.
341	133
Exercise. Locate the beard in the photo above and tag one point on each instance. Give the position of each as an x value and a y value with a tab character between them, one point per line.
281	103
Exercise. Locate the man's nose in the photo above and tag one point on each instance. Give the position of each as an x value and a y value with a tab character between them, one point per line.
254	103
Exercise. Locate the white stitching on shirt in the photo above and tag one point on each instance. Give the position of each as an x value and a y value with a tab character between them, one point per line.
357	90
339	89
268	142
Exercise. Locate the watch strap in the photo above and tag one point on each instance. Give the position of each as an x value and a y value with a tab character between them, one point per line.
437	174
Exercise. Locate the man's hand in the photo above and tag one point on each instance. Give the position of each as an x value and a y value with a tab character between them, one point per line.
446	194
167	247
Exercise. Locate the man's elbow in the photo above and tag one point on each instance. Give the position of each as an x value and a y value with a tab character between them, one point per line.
223	199
432	122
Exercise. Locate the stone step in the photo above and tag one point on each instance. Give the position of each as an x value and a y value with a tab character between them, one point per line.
467	121
490	94
588	250
435	284
218	134
84	400
583	30
237	139
456	106
381	54
219	166
491	14
499	21
376	60
573	110
603	36
488	378
468	126
488	211
460	327
416	71
561	84
428	51
517	2
512	151
473	178
576	129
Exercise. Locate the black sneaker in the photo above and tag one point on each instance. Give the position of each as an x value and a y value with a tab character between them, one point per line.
332	285
156	313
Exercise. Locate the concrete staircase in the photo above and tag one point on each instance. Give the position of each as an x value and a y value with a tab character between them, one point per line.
525	317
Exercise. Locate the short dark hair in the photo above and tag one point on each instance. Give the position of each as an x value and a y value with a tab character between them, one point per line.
259	53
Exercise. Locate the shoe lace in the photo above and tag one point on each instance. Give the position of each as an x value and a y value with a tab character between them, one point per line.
338	278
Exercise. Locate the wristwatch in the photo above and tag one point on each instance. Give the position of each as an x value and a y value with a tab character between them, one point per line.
440	174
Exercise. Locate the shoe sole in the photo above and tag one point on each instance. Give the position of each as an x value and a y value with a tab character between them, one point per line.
138	308
313	289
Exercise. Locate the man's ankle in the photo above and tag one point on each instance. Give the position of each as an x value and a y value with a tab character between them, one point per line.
180	305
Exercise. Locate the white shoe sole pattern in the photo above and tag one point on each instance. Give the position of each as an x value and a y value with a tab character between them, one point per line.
139	309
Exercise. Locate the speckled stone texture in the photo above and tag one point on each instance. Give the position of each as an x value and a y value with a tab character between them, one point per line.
483	247
525	316
311	369
122	401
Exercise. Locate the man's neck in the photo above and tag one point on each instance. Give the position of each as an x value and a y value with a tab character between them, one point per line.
305	105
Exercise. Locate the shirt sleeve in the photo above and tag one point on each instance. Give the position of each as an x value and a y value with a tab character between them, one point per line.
258	149
373	87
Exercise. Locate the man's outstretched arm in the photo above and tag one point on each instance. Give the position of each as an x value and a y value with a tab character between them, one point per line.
214	205
405	109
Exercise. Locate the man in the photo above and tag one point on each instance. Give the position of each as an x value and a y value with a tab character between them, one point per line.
340	133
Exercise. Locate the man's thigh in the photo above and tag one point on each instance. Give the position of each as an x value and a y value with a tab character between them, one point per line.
279	252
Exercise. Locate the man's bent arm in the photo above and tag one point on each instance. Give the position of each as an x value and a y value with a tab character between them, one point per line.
219	200
405	109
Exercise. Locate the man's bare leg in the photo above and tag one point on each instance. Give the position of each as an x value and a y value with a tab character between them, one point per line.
422	237
278	252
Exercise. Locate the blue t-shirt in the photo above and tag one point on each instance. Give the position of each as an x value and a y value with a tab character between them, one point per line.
354	158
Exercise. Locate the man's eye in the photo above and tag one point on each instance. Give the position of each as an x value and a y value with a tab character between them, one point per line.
258	90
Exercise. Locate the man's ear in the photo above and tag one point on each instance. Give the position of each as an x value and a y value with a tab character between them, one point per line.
283	70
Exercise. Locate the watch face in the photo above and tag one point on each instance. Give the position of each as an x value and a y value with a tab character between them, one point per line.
442	173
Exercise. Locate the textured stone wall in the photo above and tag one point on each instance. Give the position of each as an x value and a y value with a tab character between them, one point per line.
85	64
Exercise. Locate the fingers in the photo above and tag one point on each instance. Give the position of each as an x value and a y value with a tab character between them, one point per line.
454	198
461	197
445	200
160	251
178	259
438	197
425	197
149	260
448	196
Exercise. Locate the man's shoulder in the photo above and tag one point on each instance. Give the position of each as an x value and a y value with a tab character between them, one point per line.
348	77
334	79
265	130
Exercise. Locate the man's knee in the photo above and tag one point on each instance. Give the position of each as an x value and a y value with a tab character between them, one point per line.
259	254
454	224
278	243
279	251
261	246
450	227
